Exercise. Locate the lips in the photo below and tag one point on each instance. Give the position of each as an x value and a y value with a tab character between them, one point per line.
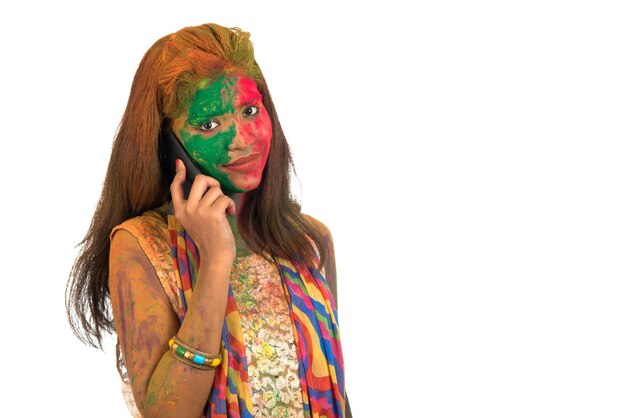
243	163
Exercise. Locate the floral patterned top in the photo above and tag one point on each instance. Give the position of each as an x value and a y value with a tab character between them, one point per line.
268	337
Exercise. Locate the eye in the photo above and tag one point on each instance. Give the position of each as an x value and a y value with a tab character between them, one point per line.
209	125
251	111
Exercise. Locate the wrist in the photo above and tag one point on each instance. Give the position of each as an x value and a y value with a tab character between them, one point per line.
216	262
214	270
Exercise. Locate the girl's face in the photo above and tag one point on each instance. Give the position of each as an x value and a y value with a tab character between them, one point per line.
227	131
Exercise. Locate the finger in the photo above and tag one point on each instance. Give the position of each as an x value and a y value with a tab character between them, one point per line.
226	204
232	208
199	187
210	197
176	188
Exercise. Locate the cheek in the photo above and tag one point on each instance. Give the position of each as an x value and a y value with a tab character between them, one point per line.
210	152
261	129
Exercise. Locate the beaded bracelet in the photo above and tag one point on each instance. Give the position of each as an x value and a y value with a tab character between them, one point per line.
192	357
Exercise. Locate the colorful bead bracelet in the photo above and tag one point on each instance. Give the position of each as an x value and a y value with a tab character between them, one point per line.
192	357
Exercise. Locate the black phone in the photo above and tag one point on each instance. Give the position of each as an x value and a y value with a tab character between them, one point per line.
171	150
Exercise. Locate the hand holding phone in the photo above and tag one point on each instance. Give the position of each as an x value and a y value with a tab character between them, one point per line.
171	150
203	215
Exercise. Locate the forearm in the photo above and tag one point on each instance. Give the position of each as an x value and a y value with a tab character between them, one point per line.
176	389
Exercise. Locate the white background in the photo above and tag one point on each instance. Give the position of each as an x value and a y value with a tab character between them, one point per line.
467	156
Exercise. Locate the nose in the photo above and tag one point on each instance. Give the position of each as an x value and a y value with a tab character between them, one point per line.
241	139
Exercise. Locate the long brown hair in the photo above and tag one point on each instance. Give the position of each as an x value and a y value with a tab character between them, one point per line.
167	77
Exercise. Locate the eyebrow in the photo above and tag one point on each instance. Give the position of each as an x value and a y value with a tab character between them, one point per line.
204	115
252	98
253	102
201	117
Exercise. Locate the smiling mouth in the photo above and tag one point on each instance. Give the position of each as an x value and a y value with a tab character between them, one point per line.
243	163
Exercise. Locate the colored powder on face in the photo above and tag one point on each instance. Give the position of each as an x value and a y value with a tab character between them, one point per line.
211	100
209	153
214	100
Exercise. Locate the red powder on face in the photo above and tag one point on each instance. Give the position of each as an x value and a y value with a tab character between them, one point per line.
254	131
247	92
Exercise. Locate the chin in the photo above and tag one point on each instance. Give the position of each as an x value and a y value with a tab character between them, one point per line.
247	185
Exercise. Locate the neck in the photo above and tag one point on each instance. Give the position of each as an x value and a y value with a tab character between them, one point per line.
242	247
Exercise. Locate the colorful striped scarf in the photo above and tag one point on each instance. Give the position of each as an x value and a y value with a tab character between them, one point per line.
316	333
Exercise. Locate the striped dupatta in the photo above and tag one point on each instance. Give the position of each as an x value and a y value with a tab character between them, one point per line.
314	322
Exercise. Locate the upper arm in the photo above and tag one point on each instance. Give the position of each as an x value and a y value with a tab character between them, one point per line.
330	268
144	319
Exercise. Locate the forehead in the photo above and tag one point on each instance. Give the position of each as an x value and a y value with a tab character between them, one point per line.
222	96
227	88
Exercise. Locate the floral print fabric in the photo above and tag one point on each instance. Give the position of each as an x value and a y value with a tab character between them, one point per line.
268	337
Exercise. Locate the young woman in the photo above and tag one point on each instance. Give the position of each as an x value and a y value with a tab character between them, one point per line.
223	300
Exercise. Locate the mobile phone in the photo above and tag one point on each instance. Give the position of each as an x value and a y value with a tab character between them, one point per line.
171	150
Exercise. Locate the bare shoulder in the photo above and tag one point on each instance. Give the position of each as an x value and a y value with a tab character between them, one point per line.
124	246
128	259
132	274
133	282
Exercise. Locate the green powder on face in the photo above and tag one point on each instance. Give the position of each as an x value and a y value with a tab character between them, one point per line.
209	153
210	150
214	100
